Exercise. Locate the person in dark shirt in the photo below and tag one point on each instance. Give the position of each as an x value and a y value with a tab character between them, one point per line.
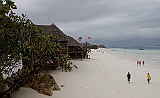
128	77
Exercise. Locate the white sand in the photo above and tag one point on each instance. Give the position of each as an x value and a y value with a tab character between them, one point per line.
103	76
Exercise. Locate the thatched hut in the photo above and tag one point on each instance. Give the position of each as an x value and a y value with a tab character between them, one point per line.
53	29
73	48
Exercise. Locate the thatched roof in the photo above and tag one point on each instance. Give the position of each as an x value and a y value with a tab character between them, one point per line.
72	41
53	29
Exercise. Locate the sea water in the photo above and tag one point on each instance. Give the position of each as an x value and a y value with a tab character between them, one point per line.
150	54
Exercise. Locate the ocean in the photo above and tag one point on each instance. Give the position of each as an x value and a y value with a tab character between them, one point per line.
150	54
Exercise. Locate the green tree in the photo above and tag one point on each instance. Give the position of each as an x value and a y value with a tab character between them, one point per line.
9	38
21	39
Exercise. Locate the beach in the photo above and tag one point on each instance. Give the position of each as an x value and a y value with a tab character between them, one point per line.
103	76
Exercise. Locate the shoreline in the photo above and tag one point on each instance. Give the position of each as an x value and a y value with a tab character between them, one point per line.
102	76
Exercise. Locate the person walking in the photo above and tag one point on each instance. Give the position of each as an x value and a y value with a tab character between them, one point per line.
143	62
148	78
128	77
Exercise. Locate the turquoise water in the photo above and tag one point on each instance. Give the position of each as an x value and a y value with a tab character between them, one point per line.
151	54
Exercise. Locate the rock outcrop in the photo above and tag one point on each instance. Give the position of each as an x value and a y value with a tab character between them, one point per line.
44	84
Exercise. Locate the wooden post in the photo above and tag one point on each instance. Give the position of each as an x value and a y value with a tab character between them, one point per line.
82	49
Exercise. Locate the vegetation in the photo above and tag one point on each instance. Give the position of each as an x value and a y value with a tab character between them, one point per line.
20	39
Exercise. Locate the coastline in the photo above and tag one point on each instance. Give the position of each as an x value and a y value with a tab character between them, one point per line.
103	76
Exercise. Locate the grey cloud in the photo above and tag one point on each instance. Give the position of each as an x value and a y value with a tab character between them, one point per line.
101	19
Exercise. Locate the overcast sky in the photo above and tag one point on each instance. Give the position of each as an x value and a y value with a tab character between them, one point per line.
112	20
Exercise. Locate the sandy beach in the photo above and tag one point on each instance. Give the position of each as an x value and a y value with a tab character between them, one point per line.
103	76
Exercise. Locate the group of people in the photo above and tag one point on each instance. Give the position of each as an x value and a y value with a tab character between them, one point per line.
139	63
129	77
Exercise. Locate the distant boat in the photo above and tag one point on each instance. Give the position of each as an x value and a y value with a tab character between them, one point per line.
141	49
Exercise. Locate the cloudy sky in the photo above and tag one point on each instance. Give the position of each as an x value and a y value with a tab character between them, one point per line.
108	22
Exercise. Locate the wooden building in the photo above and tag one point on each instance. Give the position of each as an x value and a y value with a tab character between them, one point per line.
73	48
